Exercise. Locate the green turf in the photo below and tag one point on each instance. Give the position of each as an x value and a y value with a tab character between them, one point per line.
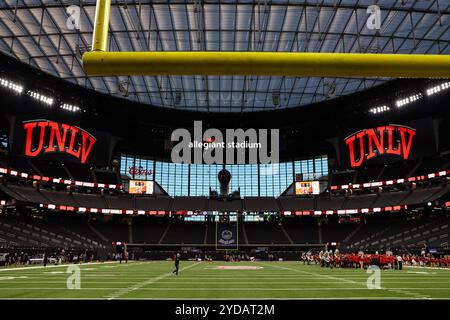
200	280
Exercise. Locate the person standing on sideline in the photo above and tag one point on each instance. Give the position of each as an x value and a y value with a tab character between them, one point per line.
400	262
177	263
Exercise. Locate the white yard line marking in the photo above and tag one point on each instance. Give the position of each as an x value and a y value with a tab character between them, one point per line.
315	274
234	298
432	268
396	290
12	278
140	285
274	282
135	288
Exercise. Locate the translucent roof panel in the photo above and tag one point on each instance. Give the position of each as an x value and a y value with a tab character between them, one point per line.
39	32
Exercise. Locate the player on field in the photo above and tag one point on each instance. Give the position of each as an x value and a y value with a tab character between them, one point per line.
177	263
326	258
361	259
321	254
303	257
309	257
45	259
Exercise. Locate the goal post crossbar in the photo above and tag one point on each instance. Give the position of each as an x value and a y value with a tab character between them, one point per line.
100	62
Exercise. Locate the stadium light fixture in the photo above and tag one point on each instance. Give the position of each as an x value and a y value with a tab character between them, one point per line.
69	107
402	102
439	88
11	85
99	62
40	97
381	109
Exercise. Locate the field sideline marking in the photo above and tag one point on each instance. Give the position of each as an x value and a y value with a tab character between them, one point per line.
60	266
140	285
14	281
431	268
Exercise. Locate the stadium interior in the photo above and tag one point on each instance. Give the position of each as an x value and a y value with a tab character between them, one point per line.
77	193
224	149
50	203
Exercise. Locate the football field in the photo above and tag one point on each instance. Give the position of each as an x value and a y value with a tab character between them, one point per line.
219	280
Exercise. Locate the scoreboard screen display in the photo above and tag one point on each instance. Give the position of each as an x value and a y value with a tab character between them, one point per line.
303	188
141	187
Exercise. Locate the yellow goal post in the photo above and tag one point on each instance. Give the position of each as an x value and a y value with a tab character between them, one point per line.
100	62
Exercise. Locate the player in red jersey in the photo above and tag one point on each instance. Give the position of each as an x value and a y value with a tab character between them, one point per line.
337	258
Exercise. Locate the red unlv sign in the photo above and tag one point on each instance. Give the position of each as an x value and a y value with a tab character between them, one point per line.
392	140
45	137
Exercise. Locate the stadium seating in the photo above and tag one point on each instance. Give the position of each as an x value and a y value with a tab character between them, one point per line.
29	193
148	231
390	199
341	178
400	169
104	176
336	232
413	233
432	165
189	203
79	172
386	198
185	233
265	233
293	204
360	201
425	195
112	231
120	202
261	204
90	200
368	174
52	169
302	231
55	169
156	203
329	202
26	232
57	197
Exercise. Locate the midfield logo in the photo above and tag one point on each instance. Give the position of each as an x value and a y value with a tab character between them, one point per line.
380	141
44	137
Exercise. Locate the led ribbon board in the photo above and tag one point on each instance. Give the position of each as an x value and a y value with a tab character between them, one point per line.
99	62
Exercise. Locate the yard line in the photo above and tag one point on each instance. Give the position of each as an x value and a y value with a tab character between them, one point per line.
233	298
181	281
140	285
432	268
63	281
227	289
396	290
315	274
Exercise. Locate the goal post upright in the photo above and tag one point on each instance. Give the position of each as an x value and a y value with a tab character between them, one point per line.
101	25
100	62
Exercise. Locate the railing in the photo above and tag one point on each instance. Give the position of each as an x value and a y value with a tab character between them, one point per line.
67	182
368	185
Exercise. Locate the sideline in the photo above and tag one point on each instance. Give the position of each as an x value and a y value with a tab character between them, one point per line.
62	265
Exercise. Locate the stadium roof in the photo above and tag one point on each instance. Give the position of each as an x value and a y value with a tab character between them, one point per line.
40	33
